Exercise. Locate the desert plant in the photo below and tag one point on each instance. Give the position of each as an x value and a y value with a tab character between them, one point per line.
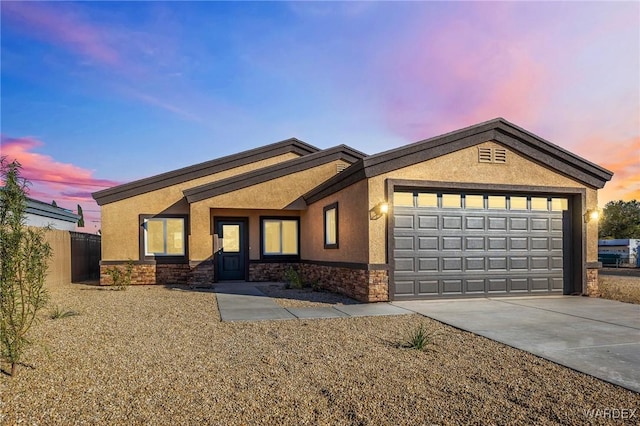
418	338
121	276
57	313
292	278
24	256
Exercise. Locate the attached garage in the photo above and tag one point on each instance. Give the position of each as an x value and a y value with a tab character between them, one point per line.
449	244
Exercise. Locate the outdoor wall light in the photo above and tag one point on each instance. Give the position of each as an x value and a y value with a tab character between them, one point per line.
382	208
379	210
592	214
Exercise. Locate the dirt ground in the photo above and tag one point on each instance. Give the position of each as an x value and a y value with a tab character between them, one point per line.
624	288
156	355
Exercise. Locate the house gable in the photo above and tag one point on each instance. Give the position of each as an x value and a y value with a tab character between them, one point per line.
499	130
164	180
342	154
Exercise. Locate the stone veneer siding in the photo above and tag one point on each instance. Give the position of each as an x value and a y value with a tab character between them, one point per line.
593	289
163	274
364	285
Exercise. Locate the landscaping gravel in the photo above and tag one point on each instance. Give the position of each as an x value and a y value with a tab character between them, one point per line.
303	297
153	355
621	288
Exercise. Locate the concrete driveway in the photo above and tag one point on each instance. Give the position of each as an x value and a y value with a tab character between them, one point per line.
595	336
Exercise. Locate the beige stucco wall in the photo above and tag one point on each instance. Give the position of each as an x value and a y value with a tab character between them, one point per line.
353	227
120	233
272	195
463	166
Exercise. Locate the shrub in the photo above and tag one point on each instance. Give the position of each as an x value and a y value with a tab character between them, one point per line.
57	313
419	338
292	278
121	276
24	256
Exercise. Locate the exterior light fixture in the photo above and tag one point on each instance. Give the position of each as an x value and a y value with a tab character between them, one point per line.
382	208
592	214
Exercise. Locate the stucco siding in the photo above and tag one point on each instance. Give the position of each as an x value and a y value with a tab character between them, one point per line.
353	227
120	233
463	166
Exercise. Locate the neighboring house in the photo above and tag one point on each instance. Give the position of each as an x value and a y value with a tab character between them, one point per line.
487	210
42	214
626	250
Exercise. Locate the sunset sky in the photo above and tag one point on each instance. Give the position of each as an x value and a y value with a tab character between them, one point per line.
100	93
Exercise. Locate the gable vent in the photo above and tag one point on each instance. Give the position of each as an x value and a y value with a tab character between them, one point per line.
492	155
499	155
340	167
484	155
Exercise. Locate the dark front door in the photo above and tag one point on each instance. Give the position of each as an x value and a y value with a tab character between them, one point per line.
232	249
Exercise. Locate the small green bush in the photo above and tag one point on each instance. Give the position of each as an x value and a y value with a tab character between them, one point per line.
419	338
120	276
292	278
57	313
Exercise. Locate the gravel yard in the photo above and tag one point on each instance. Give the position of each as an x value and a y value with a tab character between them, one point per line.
620	287
153	355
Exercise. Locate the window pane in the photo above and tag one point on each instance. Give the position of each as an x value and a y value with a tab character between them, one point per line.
559	204
175	236
330	226
427	200
474	201
518	203
538	203
231	238
289	237
451	201
155	236
497	202
272	236
403	199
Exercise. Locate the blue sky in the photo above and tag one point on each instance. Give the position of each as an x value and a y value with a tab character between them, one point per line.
99	93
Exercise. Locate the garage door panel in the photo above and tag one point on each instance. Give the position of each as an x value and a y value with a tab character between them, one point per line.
519	243
497	263
519	263
427	287
497	243
451	243
540	284
428	243
404	243
497	285
428	222
452	264
451	286
428	264
474	243
476	251
474	223
475	286
497	223
539	224
475	264
405	265
540	243
405	287
519	284
404	221
519	223
452	222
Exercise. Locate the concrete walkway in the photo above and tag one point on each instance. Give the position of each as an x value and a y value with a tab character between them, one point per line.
240	301
595	336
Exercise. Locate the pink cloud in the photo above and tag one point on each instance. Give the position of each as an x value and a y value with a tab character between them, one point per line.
67	184
58	24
